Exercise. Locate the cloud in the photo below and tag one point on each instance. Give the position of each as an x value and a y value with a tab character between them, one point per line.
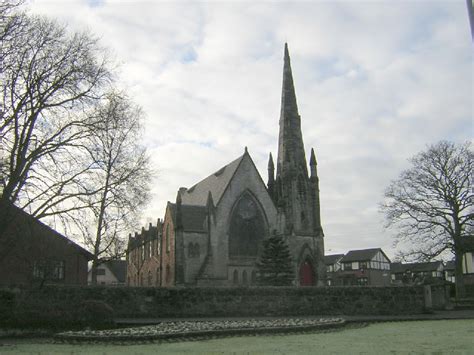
376	82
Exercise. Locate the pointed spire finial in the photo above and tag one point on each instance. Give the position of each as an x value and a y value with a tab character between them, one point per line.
271	166
312	160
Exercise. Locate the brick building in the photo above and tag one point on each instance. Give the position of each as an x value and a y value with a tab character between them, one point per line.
33	253
213	233
144	257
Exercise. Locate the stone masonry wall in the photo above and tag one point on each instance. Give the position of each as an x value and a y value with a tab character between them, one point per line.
149	302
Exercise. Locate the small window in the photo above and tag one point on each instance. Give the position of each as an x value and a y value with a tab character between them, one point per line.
244	277
167	238
100	272
254	277
235	278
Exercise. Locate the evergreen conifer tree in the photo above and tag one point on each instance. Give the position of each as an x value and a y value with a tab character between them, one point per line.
274	267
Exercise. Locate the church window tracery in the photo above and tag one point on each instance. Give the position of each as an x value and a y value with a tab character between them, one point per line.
247	228
193	250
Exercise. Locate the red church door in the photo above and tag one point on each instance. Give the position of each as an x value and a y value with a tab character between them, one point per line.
306	274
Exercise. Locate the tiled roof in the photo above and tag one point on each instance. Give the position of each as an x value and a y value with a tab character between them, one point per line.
361	255
415	267
332	259
216	183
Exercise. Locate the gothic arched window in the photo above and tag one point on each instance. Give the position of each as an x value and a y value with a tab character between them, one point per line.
235	278
254	277
244	277
247	228
197	252
190	250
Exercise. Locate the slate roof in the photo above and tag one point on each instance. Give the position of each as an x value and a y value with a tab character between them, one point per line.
362	255
332	259
18	214
415	267
216	183
193	217
118	268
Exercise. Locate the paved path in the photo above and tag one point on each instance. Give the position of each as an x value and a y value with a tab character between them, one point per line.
436	315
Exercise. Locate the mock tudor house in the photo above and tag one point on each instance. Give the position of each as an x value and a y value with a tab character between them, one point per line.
110	273
468	260
365	267
212	233
333	268
33	253
412	273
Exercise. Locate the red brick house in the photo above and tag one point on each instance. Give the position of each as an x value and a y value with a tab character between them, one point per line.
35	254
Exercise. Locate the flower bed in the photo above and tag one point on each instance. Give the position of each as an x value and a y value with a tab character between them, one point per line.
202	329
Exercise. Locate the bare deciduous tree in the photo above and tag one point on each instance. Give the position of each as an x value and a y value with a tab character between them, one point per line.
50	77
431	204
120	173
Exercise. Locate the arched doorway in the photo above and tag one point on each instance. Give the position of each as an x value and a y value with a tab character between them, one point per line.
307	277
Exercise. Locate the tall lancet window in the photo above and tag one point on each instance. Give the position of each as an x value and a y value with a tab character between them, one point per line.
247	228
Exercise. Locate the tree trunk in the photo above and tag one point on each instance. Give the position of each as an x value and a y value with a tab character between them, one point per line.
95	264
460	288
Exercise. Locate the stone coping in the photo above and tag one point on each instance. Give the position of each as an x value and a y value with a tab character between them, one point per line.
177	330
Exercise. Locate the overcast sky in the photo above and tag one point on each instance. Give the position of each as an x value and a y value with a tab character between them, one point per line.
376	82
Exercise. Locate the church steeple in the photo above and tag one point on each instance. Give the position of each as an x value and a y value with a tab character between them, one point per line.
290	143
293	189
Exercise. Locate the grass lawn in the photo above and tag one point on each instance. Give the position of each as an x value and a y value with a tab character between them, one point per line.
421	337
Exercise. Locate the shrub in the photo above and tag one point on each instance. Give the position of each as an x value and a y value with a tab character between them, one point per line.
7	305
95	314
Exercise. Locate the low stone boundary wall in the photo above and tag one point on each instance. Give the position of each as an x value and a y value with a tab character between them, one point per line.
53	302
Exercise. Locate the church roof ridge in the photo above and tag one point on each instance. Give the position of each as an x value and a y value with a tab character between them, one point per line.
215	183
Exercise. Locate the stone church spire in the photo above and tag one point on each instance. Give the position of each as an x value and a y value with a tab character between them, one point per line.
293	187
290	142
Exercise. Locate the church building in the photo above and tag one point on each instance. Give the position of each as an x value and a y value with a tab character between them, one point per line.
212	234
